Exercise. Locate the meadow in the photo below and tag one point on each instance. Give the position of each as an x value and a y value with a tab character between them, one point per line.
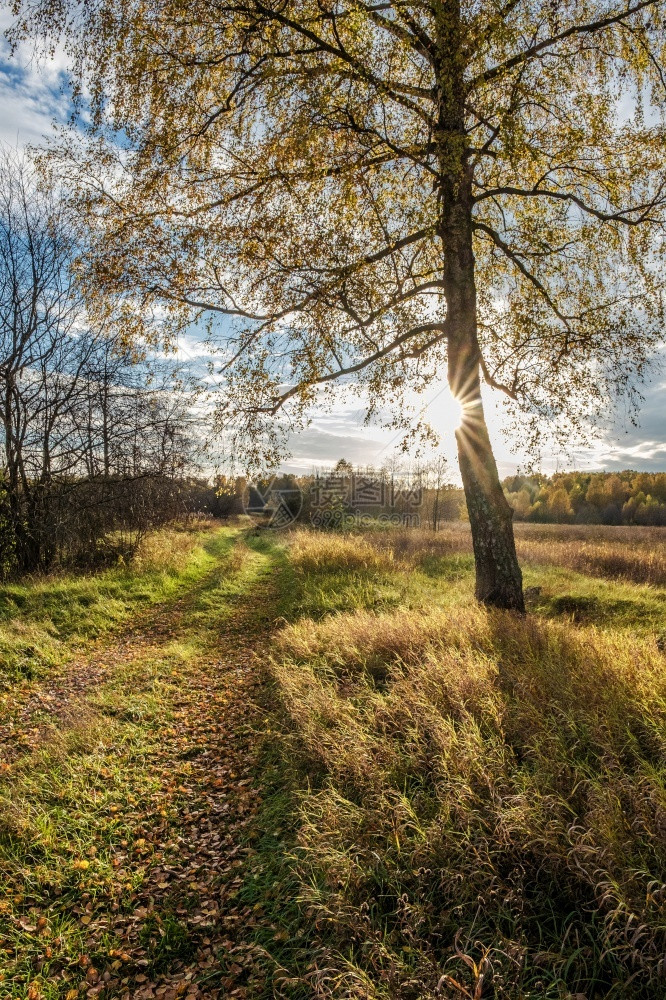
407	795
481	798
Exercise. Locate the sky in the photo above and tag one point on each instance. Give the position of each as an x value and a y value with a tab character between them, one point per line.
33	97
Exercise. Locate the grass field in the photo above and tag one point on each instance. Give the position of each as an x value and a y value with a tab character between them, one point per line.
407	796
45	620
481	798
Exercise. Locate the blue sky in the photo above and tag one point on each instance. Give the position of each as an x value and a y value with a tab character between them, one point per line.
32	98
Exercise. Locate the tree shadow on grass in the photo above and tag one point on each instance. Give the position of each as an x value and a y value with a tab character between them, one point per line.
525	811
635	613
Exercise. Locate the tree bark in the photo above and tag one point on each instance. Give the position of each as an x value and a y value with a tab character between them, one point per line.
498	576
499	580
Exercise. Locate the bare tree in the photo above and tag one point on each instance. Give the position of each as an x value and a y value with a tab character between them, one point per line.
94	437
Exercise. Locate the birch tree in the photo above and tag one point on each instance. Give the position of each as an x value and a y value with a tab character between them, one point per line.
383	192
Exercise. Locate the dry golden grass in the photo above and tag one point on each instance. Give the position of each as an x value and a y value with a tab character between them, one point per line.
170	547
330	553
631	553
486	794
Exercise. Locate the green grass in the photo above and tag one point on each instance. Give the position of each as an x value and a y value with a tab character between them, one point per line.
45	621
608	604
454	802
102	799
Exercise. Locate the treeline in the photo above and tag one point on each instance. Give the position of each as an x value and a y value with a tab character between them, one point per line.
589	498
97	441
344	495
425	497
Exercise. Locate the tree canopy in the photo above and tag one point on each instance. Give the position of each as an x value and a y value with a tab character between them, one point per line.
281	163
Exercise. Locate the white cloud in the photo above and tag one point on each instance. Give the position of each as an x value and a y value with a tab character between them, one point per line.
342	434
32	92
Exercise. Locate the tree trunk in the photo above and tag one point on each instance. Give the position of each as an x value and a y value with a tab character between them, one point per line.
499	580
498	577
105	423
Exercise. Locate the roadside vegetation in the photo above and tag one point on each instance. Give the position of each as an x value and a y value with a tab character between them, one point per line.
46	619
125	781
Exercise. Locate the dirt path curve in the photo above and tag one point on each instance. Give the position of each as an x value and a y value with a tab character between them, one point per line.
158	905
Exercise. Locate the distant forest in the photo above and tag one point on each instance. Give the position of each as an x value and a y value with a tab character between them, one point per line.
564	498
589	498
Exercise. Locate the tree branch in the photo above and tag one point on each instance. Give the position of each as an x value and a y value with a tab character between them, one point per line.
515	258
279	402
620	216
363	73
576	29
